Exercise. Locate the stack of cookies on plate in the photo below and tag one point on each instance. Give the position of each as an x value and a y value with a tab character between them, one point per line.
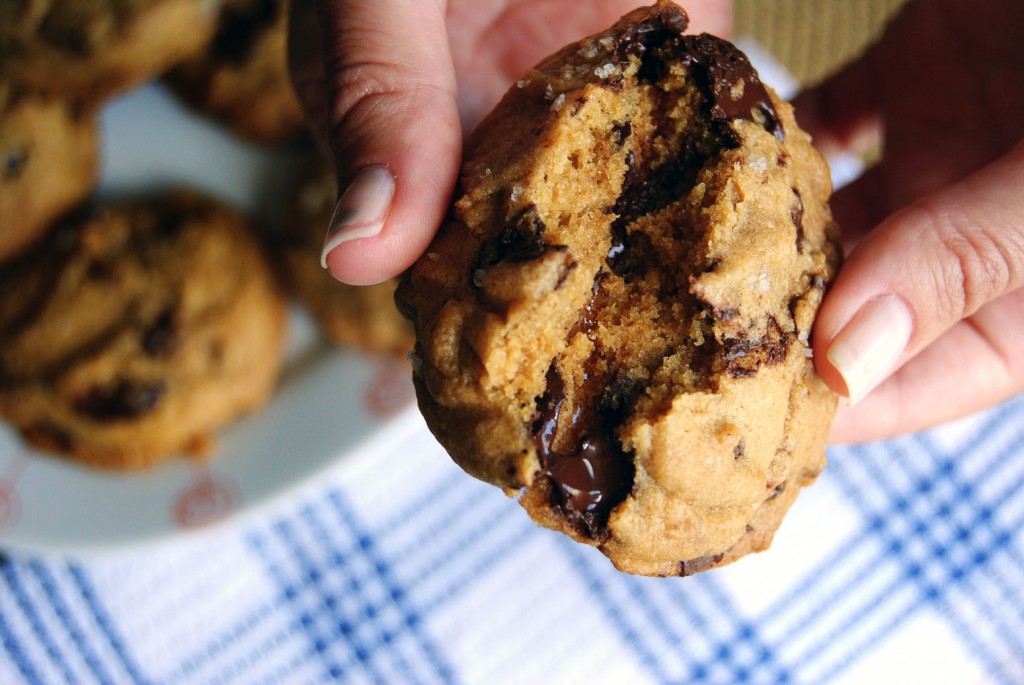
132	330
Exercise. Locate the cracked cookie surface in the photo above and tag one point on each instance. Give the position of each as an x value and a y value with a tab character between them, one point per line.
614	324
134	331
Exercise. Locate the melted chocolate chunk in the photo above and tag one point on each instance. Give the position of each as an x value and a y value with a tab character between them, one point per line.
121	401
588	481
630	254
240	28
720	68
664	24
645	193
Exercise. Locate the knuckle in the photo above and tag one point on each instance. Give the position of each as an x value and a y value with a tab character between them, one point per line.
371	95
363	88
977	263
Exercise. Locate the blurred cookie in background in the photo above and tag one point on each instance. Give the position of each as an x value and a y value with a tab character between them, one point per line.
133	331
48	162
242	77
89	51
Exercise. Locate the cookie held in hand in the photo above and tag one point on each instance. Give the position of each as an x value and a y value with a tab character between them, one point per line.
614	325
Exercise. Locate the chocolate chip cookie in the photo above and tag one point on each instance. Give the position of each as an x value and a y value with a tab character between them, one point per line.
134	331
363	317
242	76
614	324
91	50
48	150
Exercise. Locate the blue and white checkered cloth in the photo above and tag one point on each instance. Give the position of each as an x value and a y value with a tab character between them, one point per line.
904	563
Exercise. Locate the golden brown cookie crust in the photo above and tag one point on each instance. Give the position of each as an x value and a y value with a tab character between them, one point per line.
135	332
639	243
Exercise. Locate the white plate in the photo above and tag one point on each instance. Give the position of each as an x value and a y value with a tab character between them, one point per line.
329	403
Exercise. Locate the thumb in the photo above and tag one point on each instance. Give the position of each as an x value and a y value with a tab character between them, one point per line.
393	128
921	271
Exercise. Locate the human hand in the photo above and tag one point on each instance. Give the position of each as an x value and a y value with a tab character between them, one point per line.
931	288
403	81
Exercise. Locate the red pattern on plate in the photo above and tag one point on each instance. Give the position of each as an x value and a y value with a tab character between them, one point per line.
207	500
390	388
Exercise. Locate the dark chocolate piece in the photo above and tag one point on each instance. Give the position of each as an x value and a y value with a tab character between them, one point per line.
14	161
121	401
588	481
240	28
720	68
744	357
162	336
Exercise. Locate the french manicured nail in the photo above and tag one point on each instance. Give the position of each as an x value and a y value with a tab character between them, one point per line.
867	348
362	209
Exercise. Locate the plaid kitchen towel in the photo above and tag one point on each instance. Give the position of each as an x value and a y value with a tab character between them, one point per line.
904	563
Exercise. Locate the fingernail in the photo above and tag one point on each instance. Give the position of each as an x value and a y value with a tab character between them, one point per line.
866	350
362	209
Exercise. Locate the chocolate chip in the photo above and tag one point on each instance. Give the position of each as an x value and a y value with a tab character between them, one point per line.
520	240
737	451
631	254
49	435
14	162
100	270
161	336
648	191
744	357
121	400
618	398
240	28
621	132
